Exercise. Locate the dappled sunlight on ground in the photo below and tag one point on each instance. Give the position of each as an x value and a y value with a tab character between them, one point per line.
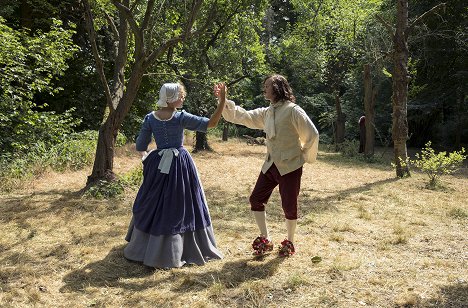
383	242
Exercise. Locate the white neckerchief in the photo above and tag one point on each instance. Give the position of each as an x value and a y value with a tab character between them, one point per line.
270	120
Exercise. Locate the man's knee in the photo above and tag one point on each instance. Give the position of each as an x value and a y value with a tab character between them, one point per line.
290	211
256	204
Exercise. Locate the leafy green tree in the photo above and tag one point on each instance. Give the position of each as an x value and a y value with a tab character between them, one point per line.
29	65
439	80
142	32
229	52
80	89
400	55
319	53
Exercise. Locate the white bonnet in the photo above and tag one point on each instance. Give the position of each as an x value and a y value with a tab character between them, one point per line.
169	93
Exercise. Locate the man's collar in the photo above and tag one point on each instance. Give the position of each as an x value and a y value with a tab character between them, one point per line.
277	104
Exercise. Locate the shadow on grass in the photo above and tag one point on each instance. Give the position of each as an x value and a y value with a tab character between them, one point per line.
322	204
450	296
115	271
337	159
20	208
226	205
108	272
231	275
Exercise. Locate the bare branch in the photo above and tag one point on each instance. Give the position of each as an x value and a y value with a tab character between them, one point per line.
131	21
99	65
112	25
216	35
135	5
230	83
387	25
184	36
149	10
424	16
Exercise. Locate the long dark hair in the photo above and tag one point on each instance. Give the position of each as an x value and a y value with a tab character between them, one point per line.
281	88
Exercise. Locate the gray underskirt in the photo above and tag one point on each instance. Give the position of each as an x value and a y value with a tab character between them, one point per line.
168	251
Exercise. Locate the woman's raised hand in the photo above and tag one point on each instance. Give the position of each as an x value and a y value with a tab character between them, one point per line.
220	91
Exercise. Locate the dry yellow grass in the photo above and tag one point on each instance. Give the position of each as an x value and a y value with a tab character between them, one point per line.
383	242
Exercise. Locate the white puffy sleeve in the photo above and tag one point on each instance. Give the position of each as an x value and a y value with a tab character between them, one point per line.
308	134
252	118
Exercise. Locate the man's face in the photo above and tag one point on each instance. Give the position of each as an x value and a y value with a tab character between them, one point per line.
268	90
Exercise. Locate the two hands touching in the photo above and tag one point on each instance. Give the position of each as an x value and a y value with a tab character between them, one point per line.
220	91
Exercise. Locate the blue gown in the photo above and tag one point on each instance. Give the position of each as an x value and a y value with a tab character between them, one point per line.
171	224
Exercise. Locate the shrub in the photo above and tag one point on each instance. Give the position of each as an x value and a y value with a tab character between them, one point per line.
133	178
436	165
349	148
75	152
106	190
116	188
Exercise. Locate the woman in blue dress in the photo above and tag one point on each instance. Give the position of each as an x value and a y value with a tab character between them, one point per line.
171	224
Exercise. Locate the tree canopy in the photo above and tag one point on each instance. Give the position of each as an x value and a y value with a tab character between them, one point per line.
51	84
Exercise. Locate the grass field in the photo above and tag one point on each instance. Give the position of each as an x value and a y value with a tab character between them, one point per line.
383	242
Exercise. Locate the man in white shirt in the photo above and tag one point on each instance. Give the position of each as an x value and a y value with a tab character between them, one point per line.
292	140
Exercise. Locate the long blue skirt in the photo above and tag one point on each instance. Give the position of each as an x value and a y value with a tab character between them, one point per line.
171	224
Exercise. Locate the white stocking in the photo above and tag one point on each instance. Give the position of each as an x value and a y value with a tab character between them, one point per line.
260	218
291	227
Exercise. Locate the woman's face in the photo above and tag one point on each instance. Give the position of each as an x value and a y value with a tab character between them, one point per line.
180	101
268	90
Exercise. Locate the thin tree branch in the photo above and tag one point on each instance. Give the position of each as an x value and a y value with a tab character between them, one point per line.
99	64
162	48
184	36
131	21
424	16
388	26
230	83
215	36
112	25
193	14
146	19
169	58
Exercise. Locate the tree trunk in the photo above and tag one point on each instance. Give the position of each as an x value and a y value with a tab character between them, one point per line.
400	90
201	142
120	98
225	131
369	106
459	128
340	120
104	160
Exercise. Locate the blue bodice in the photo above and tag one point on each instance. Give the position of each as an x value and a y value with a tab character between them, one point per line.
168	133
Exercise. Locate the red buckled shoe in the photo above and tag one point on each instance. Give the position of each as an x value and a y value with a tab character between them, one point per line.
261	245
286	249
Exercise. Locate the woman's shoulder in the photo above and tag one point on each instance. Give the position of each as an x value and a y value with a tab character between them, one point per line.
185	114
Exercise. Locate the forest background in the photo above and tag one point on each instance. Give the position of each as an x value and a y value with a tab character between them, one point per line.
54	65
76	82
